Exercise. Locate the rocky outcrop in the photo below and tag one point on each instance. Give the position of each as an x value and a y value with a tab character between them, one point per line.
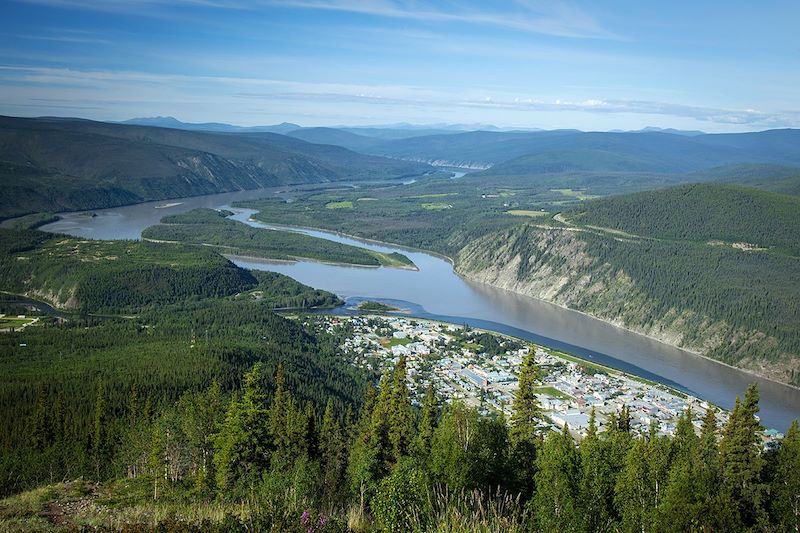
557	265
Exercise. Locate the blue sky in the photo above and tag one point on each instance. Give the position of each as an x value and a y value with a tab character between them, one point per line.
729	65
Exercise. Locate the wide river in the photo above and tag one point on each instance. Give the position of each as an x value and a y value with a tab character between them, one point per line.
435	291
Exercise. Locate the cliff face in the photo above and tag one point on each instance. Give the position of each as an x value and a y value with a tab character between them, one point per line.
560	265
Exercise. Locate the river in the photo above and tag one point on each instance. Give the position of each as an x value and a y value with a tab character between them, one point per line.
435	291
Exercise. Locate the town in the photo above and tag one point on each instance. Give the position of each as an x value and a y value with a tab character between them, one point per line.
481	369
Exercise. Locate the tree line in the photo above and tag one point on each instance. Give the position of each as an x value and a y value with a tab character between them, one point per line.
393	466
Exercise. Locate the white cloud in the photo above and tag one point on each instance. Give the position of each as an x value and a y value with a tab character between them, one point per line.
126	91
548	18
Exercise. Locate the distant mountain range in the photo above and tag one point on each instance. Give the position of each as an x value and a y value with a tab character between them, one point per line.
172	122
522	153
53	164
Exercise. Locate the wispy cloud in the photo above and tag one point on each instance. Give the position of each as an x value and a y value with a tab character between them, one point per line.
548	18
20	86
554	17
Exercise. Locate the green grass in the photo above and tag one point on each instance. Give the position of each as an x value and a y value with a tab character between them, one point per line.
572	193
339	205
436	206
527	213
399	342
14	322
553	392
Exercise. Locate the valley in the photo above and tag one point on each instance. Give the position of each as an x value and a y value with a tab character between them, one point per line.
435	291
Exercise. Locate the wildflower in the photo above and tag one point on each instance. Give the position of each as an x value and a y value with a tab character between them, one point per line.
304	518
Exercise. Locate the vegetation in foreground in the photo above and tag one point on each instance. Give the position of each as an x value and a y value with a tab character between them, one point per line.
256	459
208	227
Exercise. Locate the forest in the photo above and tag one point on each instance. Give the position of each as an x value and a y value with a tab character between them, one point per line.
284	446
711	267
126	276
210	227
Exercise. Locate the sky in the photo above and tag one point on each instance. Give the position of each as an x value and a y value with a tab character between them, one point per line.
712	65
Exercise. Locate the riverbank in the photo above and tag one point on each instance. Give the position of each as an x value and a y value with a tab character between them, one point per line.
476	279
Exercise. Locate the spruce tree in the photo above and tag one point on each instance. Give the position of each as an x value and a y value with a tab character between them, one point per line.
683	502
100	431
332	455
400	416
555	505
243	445
427	425
632	492
524	436
596	502
785	487
741	462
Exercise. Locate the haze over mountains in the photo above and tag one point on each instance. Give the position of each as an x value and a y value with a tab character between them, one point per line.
52	164
535	151
57	164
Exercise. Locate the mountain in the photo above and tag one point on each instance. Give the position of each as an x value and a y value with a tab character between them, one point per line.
172	122
710	267
68	164
689	133
656	151
334	136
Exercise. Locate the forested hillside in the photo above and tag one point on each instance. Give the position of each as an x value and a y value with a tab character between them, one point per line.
260	459
711	268
577	150
69	164
701	212
78	397
126	276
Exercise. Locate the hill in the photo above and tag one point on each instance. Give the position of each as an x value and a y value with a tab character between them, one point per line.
172	122
775	178
69	164
127	276
701	213
655	151
338	137
712	268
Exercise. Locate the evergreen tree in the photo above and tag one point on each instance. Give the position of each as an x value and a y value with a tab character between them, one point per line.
243	445
363	465
400	416
741	462
201	415
100	431
785	489
555	504
524	436
632	491
683	501
332	455
279	411
596	502
428	421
